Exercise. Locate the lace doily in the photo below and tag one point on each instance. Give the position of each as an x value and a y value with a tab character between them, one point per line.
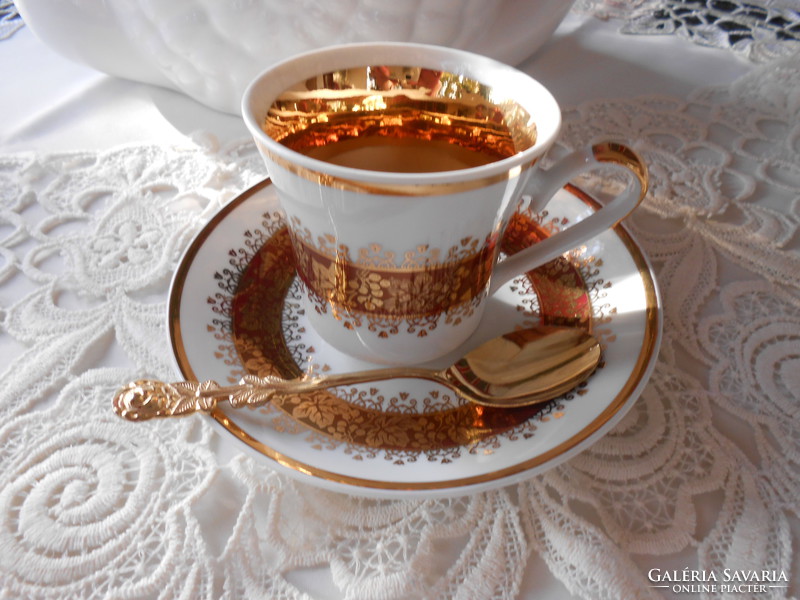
760	30
10	21
706	464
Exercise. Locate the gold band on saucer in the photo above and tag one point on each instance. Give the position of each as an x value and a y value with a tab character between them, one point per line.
251	340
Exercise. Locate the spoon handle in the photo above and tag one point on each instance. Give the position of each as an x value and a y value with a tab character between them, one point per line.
149	398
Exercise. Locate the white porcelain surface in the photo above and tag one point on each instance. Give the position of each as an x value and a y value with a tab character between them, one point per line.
210	49
625	309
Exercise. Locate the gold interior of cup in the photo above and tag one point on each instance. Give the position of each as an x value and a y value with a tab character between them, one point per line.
398	105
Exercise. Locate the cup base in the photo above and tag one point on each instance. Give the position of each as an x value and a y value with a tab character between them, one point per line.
410	344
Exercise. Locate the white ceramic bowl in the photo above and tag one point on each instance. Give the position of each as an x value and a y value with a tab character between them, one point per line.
211	49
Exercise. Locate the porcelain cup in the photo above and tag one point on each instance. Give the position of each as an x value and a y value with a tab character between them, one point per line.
394	226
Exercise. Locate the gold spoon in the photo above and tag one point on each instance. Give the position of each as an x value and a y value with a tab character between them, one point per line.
520	368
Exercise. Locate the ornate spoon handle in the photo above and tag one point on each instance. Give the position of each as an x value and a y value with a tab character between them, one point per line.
526	366
148	398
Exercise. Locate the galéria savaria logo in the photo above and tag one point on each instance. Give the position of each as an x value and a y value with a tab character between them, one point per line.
727	581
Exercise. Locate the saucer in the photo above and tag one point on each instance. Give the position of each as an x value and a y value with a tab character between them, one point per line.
234	308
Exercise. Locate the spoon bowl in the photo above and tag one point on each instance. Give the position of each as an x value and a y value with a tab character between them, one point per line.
520	368
525	367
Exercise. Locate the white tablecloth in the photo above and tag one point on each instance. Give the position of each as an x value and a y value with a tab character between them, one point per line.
103	183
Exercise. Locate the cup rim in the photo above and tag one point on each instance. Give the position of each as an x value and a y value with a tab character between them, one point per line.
275	79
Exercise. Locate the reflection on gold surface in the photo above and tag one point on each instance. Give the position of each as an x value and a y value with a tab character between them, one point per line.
391	103
620	154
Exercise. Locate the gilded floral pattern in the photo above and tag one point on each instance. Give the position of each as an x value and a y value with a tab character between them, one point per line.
375	291
258	325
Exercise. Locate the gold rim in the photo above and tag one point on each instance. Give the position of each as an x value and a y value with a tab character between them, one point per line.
620	154
179	279
395	189
637	376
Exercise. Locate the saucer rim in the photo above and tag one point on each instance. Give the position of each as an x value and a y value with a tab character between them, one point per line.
579	441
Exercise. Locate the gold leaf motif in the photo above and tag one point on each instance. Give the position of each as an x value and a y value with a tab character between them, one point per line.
373	292
252	339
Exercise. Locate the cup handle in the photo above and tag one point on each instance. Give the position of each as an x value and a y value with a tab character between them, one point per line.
547	183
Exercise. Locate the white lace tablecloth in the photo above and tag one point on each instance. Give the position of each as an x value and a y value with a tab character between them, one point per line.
101	188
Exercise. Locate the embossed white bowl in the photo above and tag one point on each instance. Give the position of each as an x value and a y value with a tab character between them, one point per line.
211	49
